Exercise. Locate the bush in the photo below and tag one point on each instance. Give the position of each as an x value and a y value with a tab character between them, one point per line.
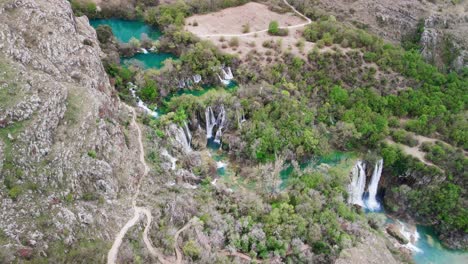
246	28
92	154
275	30
104	33
401	136
191	249
234	42
15	192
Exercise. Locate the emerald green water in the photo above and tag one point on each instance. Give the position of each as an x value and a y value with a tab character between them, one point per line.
147	61
124	30
430	249
433	252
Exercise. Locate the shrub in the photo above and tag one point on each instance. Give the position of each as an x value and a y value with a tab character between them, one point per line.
89	196
92	154
15	192
191	249
104	33
135	43
275	30
234	42
246	28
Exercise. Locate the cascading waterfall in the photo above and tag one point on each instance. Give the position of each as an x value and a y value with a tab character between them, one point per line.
181	84
144	51
220	165
210	122
358	184
372	203
140	103
197	78
411	235
187	133
180	137
220	122
227	75
223	81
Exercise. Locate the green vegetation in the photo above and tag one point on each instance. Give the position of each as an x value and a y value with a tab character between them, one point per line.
275	30
166	15
92	154
298	109
403	137
104	33
84	7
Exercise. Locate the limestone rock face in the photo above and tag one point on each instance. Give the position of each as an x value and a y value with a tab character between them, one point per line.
373	249
62	144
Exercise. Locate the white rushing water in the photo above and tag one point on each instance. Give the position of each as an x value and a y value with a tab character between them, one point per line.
411	234
358	184
210	122
188	134
224	81
197	78
220	122
140	103
372	203
220	164
227	75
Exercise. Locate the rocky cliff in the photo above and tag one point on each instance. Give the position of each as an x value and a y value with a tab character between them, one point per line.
444	24
65	150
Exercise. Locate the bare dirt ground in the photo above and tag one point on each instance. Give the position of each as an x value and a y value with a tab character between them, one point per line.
416	150
231	20
220	27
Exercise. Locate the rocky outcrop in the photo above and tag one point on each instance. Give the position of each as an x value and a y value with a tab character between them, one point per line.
62	145
444	41
395	232
372	249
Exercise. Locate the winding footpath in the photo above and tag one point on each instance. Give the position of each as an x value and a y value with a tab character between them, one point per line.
138	211
265	30
176	238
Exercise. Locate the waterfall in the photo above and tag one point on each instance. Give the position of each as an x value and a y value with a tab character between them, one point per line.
220	121
372	203
210	122
220	165
140	103
411	235
187	133
229	74
144	51
358	184
197	78
213	182
173	160
223	81
180	137
181	83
